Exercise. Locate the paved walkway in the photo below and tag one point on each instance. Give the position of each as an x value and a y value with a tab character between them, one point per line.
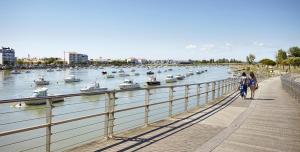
271	122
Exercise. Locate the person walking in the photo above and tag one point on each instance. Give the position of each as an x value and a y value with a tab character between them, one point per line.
252	84
243	85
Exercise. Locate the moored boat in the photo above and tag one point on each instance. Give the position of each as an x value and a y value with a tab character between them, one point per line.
179	77
41	81
129	84
50	70
15	72
110	76
150	73
152	81
41	93
95	87
123	75
71	78
170	79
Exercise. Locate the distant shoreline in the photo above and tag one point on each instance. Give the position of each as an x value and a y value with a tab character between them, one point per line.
2	68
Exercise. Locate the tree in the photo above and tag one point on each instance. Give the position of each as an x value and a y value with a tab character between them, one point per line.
294	61
294	51
250	58
280	56
20	62
267	62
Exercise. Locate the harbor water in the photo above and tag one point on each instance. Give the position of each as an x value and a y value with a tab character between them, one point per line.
65	136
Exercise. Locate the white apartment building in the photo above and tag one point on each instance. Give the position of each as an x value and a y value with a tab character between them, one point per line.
77	58
7	56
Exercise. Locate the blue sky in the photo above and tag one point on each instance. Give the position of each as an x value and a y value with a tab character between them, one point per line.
153	29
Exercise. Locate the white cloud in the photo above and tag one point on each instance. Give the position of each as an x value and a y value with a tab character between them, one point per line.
258	44
207	47
228	44
191	46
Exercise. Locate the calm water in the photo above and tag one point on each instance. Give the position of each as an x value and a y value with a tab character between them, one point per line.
71	134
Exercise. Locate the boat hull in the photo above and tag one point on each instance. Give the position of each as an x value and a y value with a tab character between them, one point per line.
71	81
123	87
43	101
153	83
171	80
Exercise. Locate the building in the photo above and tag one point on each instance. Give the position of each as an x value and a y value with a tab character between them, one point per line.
7	56
77	58
132	60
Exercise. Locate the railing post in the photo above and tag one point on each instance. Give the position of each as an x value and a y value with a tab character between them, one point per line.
213	89
219	84
227	85
186	98
232	84
106	117
206	92
147	94
111	116
198	94
49	123
171	90
222	87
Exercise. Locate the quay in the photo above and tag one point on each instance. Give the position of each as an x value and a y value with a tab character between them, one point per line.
270	122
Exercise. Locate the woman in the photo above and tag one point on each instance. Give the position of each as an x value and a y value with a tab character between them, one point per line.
252	84
243	85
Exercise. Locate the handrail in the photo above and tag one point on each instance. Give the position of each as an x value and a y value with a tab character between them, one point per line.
2	101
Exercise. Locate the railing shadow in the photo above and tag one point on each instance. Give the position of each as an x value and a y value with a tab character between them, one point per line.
205	113
262	99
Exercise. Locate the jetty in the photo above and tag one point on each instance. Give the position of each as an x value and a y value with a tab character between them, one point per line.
270	122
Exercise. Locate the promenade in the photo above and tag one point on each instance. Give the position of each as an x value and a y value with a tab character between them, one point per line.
270	122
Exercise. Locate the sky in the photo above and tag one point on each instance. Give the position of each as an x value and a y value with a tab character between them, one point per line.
152	29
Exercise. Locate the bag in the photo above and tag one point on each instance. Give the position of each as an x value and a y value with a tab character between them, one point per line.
256	87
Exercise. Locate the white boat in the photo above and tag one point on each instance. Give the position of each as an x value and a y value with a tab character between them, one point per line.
152	81
150	72
95	87
128	84
121	71
58	69
170	79
50	70
41	81
132	70
123	75
41	93
158	71
110	76
71	78
191	72
15	72
179	77
199	72
27	71
136	74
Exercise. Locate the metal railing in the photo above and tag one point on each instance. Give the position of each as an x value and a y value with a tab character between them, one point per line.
291	86
113	112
